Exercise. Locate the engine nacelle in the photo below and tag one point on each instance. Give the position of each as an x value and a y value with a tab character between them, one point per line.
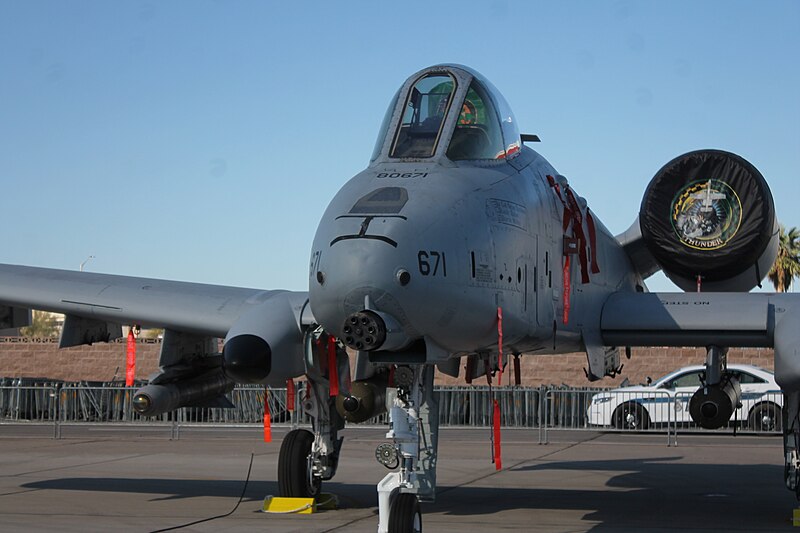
265	344
710	214
207	390
367	399
712	406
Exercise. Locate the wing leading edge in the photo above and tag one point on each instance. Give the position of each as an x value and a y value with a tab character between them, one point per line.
194	308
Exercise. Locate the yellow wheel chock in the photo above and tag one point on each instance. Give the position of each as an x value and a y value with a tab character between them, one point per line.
280	505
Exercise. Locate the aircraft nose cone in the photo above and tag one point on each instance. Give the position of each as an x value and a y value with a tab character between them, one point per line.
367	258
247	359
354	276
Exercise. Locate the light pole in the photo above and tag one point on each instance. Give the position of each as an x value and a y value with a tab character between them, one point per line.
86	261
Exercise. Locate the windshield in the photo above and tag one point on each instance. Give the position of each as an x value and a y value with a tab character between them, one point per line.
423	116
384	127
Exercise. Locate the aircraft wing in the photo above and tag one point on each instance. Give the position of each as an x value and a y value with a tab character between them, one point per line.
194	308
707	318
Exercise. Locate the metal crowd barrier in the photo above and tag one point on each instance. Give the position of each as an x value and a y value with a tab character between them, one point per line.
466	406
36	403
29	404
545	409
599	409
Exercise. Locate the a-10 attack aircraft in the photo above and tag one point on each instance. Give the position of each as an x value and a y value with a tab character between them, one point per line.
457	241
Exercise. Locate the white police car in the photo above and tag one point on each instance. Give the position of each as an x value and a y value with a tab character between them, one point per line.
667	401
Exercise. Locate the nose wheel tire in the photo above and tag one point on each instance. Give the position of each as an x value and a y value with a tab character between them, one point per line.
294	467
405	515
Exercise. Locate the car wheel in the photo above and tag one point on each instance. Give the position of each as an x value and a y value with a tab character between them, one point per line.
765	417
631	415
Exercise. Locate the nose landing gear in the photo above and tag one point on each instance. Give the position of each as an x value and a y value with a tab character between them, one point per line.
414	430
309	458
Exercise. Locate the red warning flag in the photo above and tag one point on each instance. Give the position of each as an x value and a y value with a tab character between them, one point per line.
498	462
290	391
130	359
500	345
333	371
577	231
267	418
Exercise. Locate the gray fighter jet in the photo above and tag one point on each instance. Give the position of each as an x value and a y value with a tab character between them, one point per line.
456	242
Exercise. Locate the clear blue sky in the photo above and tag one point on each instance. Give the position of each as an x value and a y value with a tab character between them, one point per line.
201	141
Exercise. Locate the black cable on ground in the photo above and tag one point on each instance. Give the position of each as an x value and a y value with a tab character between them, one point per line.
241	497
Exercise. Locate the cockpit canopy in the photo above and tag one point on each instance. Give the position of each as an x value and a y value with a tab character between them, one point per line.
449	111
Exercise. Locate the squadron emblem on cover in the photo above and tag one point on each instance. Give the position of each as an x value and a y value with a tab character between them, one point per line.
706	214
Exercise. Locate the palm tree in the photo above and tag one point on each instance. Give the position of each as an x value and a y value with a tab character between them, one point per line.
787	264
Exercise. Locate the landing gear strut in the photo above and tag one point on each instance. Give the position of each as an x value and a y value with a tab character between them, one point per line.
791	441
307	459
414	430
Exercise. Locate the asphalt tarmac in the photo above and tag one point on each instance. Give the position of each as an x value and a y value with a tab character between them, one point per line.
104	479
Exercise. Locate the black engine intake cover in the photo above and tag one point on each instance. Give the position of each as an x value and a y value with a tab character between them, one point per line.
708	213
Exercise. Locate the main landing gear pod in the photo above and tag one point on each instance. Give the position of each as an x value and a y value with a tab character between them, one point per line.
712	406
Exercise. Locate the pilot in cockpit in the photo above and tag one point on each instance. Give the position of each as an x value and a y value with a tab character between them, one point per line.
477	133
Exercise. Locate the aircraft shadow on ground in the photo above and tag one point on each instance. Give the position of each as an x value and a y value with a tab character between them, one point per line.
351	495
643	493
166	489
647	493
